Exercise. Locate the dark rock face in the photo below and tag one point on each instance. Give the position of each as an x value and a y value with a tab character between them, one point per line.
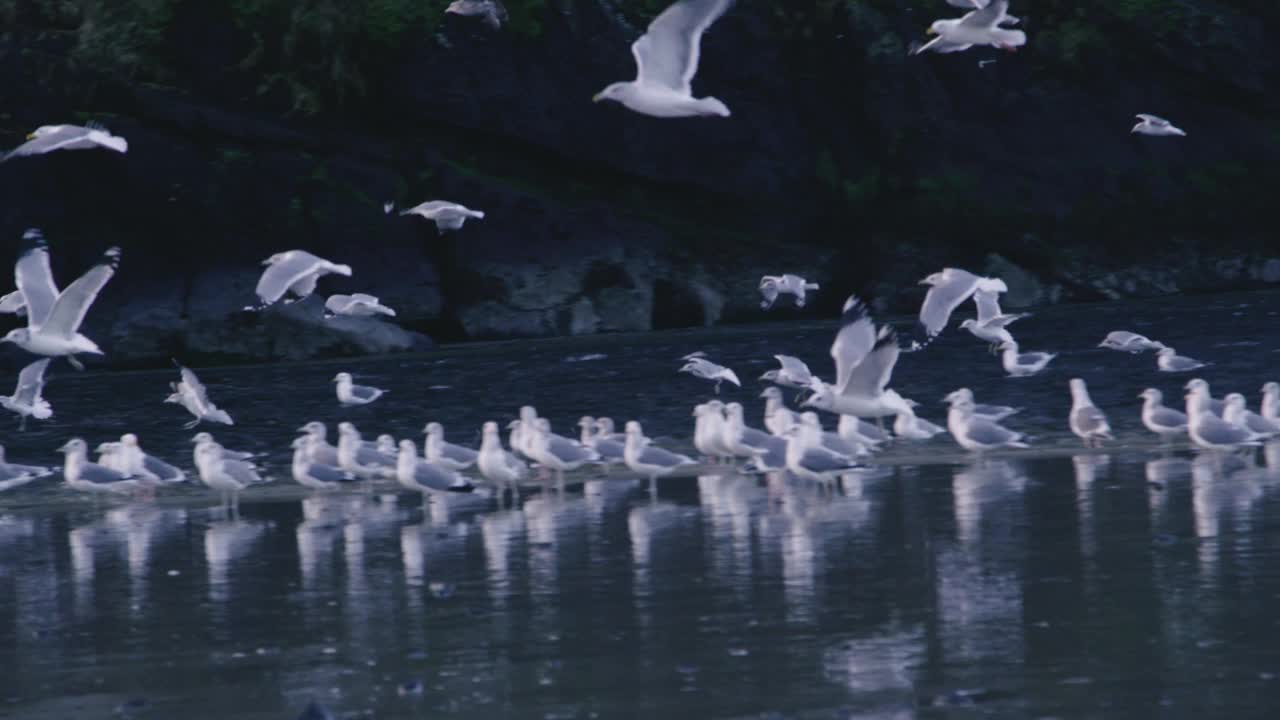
845	161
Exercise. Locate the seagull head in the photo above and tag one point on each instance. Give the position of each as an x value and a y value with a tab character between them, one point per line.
616	92
73	445
934	279
1151	394
342	377
43	130
935	28
958	396
17	336
969	323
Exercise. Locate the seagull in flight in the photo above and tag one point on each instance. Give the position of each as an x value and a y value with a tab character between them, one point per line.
1156	125
793	373
949	289
26	400
666	61
191	394
979	27
356	305
707	370
491	12
865	357
991	323
53	317
48	138
293	271
446	215
771	286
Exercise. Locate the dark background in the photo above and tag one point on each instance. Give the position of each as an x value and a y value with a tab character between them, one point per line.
261	125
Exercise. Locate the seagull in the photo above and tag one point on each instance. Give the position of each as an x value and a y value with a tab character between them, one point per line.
1086	420
991	322
1271	401
350	394
134	461
833	441
319	450
598	435
976	433
446	454
47	138
85	476
1155	125
292	272
14	475
1023	364
909	426
1212	432
1129	342
357	305
979	27
1168	360
26	399
229	477
446	215
742	441
793	373
309	473
54	318
707	370
649	461
357	458
491	11
809	460
426	477
666	61
1163	421
496	464
558	453
1199	386
204	438
191	394
708	430
777	417
1237	413
994	413
864	359
862	433
948	290
771	286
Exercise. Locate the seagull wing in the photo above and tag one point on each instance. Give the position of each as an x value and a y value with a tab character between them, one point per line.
988	302
943	298
197	391
64	138
429	209
338	304
31	382
988	16
1153	120
13	303
941	45
869	378
855	339
295	265
667	54
795	367
69	309
34	278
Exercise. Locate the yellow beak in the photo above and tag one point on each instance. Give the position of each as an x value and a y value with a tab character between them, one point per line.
597	97
31	136
930	31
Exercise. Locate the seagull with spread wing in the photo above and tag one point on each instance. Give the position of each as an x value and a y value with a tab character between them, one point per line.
491	12
991	322
356	305
979	27
295	272
26	399
864	356
53	317
1156	125
48	138
793	373
446	215
191	394
666	61
948	290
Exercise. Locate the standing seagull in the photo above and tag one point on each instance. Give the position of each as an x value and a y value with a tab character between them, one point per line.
436	450
309	473
648	461
1168	360
47	138
357	305
191	394
1023	364
496	464
1271	401
351	394
26	400
666	61
54	318
1086	420
446	215
949	289
979	27
295	272
85	476
771	286
491	11
1163	421
707	370
977	433
1155	125
426	477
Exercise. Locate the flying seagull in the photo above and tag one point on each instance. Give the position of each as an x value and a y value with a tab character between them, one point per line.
949	289
53	317
47	138
1155	125
491	11
191	394
666	61
293	271
707	370
356	305
864	356
446	215
979	27
978	5
26	400
771	286
991	322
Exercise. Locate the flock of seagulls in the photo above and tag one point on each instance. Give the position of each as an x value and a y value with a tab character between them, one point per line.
864	352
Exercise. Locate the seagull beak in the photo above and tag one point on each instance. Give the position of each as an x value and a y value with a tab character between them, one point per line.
31	136
597	97
512	424
930	31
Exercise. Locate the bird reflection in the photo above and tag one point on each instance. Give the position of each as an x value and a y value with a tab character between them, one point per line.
497	531
881	666
323	517
726	505
1271	454
142	526
1161	473
1221	485
1088	468
977	487
225	541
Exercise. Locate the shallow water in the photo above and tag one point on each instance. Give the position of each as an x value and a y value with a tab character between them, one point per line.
1059	582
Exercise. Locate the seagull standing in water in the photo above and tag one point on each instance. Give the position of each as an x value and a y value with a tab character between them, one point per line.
666	60
293	272
26	399
1271	401
496	464
48	138
436	450
1086	420
311	474
1236	411
425	477
85	476
446	215
53	317
1163	421
977	433
350	394
649	461
1212	432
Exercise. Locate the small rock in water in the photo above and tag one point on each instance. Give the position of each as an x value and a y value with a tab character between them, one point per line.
316	711
739	652
410	688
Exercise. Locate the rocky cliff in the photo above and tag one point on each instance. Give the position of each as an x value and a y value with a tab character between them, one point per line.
262	125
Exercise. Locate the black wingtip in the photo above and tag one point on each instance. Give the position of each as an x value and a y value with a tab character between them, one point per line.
32	239
919	340
111	257
462	488
854	310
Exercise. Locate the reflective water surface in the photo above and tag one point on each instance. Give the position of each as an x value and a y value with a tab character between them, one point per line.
1132	582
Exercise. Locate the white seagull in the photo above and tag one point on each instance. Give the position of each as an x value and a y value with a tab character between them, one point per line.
294	272
979	27
909	426
53	317
1129	342
1023	364
771	286
707	370
496	464
436	450
557	453
426	477
978	5
1168	360
356	305
648	461
82	475
864	357
319	450
1212	432
1156	125
976	433
1163	421
1271	401
1086	420
994	413
311	474
135	461
666	61
191	394
446	215
777	416
949	289
13	304
47	138
350	394
794	373
1235	411
26	399
491	12
991	323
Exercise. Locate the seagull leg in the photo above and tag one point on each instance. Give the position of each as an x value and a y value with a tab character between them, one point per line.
74	362
193	423
22	423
